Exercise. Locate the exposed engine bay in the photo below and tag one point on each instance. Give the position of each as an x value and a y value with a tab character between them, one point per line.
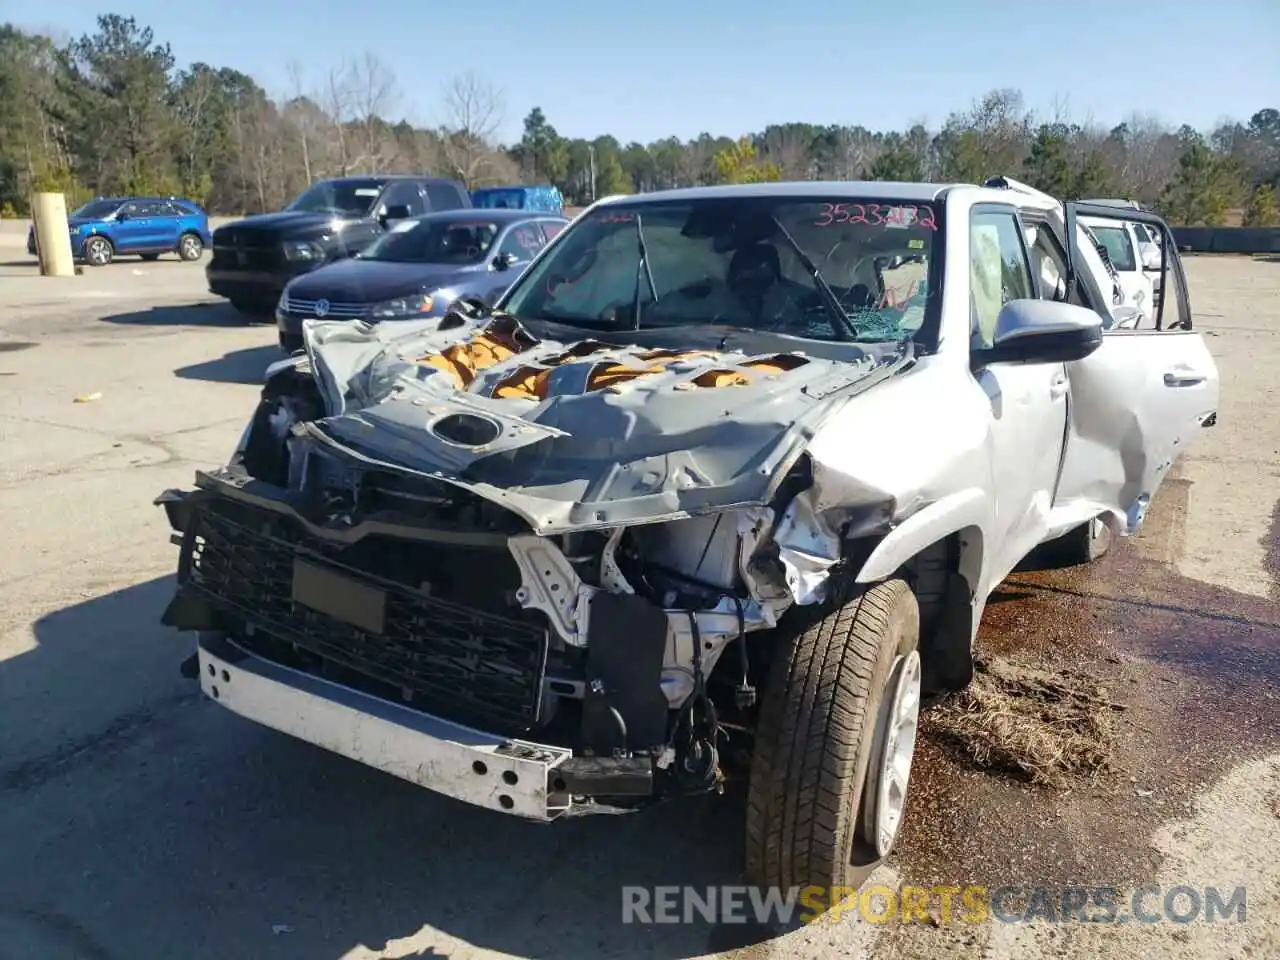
580	542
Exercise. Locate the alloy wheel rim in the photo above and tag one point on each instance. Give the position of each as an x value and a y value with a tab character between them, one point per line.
893	766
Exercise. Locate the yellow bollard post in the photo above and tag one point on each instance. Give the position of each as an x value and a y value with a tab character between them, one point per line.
53	238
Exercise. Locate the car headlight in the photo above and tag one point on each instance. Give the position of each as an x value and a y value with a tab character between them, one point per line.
303	250
417	305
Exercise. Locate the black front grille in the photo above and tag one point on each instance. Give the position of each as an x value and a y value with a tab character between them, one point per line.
247	259
478	661
246	250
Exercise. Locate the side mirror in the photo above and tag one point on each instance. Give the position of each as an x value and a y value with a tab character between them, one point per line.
1041	331
397	211
504	261
1150	256
121	216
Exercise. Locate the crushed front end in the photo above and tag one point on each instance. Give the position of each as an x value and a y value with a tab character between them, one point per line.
421	558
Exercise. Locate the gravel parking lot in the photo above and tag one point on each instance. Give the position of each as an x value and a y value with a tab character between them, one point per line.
137	820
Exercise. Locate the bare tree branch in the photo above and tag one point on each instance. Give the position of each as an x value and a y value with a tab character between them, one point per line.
336	99
374	95
473	106
300	123
473	110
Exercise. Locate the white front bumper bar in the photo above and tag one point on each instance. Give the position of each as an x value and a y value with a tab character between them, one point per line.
511	776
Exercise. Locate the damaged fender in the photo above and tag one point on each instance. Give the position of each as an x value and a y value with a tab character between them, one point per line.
966	510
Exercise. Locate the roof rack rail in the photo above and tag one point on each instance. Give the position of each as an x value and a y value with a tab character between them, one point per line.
1008	183
1115	202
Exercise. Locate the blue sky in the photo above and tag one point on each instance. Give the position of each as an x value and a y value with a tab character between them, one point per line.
660	67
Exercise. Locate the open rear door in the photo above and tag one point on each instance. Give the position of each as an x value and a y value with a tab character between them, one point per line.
1139	400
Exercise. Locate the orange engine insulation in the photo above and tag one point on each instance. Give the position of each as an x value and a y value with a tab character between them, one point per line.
464	361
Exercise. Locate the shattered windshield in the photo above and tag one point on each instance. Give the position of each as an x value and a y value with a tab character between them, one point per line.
351	198
735	262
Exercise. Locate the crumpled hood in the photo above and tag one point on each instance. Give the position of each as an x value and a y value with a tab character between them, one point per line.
575	435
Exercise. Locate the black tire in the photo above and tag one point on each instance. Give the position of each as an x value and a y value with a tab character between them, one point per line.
150	256
810	802
1085	544
98	251
190	247
249	309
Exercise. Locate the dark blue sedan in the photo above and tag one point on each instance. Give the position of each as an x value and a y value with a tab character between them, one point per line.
418	268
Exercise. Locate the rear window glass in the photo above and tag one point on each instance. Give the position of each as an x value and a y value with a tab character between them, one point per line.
499	199
443	196
1119	247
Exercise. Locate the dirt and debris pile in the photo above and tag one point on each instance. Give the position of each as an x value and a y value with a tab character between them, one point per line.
1046	727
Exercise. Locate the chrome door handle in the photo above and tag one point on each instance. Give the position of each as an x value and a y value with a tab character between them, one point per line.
1183	377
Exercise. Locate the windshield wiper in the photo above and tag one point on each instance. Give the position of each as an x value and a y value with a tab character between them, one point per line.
642	270
829	299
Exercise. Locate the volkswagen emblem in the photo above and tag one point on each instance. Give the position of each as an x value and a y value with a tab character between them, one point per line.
322	308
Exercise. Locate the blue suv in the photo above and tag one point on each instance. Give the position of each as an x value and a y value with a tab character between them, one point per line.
147	226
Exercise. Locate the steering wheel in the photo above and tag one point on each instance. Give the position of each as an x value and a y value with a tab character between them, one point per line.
579	270
697	290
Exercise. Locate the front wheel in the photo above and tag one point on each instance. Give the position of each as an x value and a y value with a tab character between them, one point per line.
190	247
835	740
1085	544
251	309
98	251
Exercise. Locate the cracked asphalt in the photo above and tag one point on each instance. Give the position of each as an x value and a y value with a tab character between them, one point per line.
138	820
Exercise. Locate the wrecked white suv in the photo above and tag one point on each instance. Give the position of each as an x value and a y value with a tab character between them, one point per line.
724	481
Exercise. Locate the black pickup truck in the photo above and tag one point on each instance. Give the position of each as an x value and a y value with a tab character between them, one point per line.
254	258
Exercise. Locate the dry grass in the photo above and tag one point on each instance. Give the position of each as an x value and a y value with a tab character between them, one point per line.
1041	726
